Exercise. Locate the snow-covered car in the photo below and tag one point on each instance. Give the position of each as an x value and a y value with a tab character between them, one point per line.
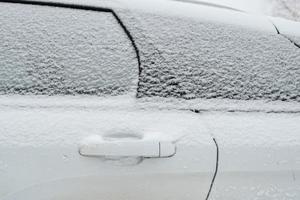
147	100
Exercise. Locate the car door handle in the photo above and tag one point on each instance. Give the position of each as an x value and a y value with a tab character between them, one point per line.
139	148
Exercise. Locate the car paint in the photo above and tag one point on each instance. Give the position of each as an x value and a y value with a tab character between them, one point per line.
40	156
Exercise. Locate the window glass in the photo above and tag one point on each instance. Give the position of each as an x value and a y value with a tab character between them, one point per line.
60	51
194	58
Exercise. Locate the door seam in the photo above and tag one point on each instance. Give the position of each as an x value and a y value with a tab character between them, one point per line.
216	170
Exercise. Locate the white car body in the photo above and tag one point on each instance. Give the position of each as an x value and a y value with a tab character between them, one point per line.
159	147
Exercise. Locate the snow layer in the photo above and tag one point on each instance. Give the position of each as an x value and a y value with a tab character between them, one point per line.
178	8
253	6
189	58
51	51
41	120
181	56
37	121
288	28
126	102
57	127
259	155
250	143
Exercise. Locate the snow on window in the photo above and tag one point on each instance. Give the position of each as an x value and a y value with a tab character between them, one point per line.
60	51
195	58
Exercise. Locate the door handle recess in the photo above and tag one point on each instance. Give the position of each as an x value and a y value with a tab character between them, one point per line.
147	149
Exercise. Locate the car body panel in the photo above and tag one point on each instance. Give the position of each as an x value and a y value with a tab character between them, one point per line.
211	72
259	156
40	152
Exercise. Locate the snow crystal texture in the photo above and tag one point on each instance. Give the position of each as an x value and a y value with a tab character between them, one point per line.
193	58
48	50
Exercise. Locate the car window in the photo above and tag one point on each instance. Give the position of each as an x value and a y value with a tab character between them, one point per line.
61	51
199	59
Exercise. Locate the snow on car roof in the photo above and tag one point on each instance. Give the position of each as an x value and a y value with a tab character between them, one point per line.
201	11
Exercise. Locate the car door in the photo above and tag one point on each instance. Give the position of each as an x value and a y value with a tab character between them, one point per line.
70	124
242	79
259	155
